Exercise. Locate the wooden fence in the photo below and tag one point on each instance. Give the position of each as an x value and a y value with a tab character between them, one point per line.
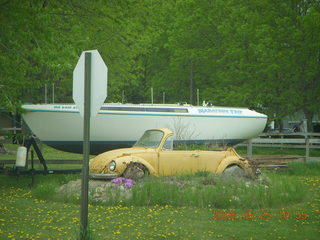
302	140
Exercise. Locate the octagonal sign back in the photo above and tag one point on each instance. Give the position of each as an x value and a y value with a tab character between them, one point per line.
99	80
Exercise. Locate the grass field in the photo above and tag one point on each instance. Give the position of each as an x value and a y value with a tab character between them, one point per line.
278	151
288	208
48	153
29	214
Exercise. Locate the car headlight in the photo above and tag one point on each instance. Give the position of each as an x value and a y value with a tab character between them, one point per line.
112	165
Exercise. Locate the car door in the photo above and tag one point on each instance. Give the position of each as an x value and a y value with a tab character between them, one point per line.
210	160
172	162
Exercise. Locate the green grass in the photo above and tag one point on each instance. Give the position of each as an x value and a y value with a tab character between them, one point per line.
303	169
45	186
217	191
24	216
163	209
197	190
51	153
255	151
48	153
278	151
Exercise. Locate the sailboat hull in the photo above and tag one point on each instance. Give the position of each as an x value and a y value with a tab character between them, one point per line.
117	126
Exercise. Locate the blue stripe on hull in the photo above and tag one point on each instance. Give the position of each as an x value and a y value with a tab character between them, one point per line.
97	147
151	114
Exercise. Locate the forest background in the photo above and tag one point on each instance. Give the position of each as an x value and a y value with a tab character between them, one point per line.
261	54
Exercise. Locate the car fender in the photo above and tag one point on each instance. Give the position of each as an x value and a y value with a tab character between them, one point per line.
123	162
228	161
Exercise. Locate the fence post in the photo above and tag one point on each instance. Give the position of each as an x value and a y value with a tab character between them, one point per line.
307	140
249	148
305	125
307	148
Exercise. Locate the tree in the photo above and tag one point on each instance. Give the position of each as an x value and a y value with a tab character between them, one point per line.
260	54
43	40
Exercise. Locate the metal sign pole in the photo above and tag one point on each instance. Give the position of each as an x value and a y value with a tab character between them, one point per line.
52	92
89	92
45	94
86	147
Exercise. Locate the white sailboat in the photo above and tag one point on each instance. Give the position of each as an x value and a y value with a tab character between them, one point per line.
120	125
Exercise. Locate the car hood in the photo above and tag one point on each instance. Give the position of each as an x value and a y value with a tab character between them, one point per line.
100	162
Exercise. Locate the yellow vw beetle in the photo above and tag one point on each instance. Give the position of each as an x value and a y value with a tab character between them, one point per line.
153	155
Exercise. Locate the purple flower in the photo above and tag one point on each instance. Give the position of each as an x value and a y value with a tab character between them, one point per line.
127	183
118	180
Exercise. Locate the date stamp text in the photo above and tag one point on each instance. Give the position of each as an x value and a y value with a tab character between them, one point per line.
262	214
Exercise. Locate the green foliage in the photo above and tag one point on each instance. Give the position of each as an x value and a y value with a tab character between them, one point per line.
260	54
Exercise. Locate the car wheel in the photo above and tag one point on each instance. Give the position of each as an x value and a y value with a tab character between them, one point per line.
135	171
234	171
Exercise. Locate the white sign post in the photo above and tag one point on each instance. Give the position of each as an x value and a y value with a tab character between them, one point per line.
89	93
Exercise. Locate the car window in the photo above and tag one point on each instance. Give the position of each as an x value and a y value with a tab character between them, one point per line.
168	145
150	139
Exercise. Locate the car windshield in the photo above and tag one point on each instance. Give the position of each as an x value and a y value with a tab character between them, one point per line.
150	139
